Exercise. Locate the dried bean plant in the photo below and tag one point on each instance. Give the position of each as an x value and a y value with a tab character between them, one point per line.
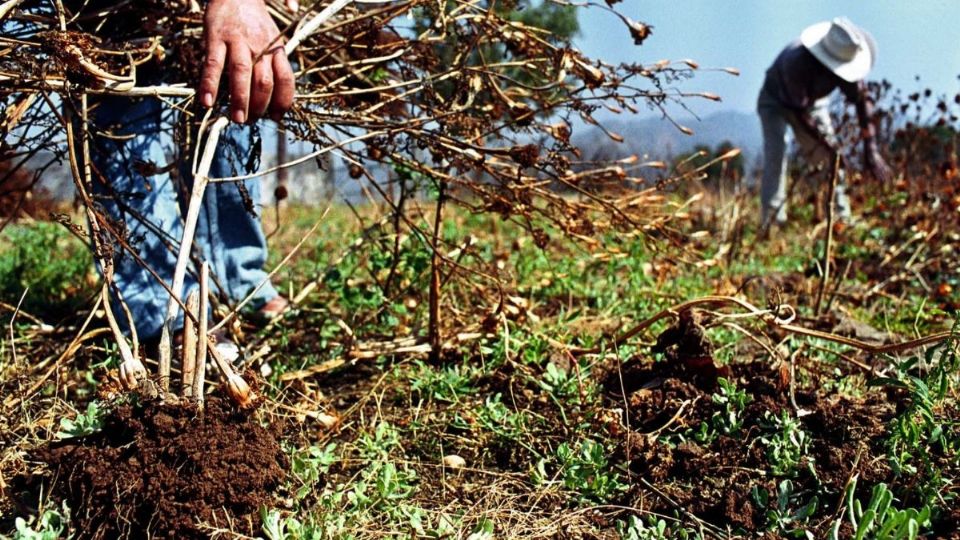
456	97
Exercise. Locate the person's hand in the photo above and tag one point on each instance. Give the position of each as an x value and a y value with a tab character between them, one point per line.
236	32
878	166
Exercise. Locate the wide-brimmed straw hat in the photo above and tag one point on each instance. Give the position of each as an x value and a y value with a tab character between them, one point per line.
841	46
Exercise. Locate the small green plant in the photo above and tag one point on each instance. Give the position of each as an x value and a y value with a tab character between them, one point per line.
635	529
277	526
880	519
50	525
495	416
559	382
444	384
727	420
585	470
307	465
86	423
483	530
787	516
378	445
786	442
923	429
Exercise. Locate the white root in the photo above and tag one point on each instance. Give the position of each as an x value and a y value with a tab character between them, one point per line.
204	342
200	180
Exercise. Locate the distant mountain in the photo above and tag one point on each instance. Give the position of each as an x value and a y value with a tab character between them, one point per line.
658	138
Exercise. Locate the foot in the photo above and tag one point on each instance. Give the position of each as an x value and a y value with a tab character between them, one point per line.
274	308
229	350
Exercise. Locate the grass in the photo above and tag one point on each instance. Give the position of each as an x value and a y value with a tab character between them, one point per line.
545	444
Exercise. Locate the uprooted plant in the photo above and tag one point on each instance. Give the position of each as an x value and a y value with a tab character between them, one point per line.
468	104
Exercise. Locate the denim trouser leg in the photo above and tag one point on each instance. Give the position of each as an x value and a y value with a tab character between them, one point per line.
227	235
232	239
773	184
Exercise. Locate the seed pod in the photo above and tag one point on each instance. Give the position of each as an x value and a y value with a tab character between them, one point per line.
240	391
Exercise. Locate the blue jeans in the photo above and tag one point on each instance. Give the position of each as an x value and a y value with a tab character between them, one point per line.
774	119
136	172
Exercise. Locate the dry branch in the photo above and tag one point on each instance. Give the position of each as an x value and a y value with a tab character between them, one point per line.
456	97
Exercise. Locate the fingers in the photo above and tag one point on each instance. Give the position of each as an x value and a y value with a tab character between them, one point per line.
261	88
283	85
293	6
241	70
212	70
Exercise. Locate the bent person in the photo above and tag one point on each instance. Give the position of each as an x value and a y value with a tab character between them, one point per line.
829	55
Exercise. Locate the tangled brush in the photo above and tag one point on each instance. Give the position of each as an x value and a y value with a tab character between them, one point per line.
461	99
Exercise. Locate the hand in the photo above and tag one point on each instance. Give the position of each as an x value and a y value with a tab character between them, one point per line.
878	167
236	32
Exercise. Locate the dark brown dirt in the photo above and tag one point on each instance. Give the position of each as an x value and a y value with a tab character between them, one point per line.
714	480
160	471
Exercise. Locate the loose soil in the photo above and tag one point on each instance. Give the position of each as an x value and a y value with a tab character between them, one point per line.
714	481
162	471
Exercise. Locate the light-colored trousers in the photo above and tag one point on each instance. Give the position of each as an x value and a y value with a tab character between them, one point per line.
141	192
774	119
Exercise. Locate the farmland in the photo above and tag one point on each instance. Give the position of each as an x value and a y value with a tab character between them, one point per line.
722	427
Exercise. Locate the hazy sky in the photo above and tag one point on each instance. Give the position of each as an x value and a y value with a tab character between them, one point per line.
914	37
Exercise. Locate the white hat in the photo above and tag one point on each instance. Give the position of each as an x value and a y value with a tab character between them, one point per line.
843	47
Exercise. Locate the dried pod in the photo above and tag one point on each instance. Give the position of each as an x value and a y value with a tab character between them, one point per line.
522	114
525	155
638	30
240	391
328	421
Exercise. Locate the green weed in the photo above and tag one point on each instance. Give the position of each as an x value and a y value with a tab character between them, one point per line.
446	384
583	469
923	430
786	442
86	423
727	420
635	529
307	465
787	516
496	417
880	519
50	525
46	259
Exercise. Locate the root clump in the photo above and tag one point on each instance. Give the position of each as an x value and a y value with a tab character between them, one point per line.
166	471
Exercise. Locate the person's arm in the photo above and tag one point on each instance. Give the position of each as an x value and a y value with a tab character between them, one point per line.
809	126
236	32
872	158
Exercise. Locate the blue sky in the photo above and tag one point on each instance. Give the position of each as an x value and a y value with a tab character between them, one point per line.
914	37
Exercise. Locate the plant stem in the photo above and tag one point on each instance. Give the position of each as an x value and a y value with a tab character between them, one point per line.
200	179
190	338
828	249
434	323
204	342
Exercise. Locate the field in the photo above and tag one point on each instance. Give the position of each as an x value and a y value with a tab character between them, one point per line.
536	421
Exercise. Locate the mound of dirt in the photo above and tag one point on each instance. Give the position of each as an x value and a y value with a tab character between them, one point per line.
713	479
160	471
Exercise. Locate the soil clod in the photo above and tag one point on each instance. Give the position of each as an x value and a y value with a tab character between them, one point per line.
164	471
